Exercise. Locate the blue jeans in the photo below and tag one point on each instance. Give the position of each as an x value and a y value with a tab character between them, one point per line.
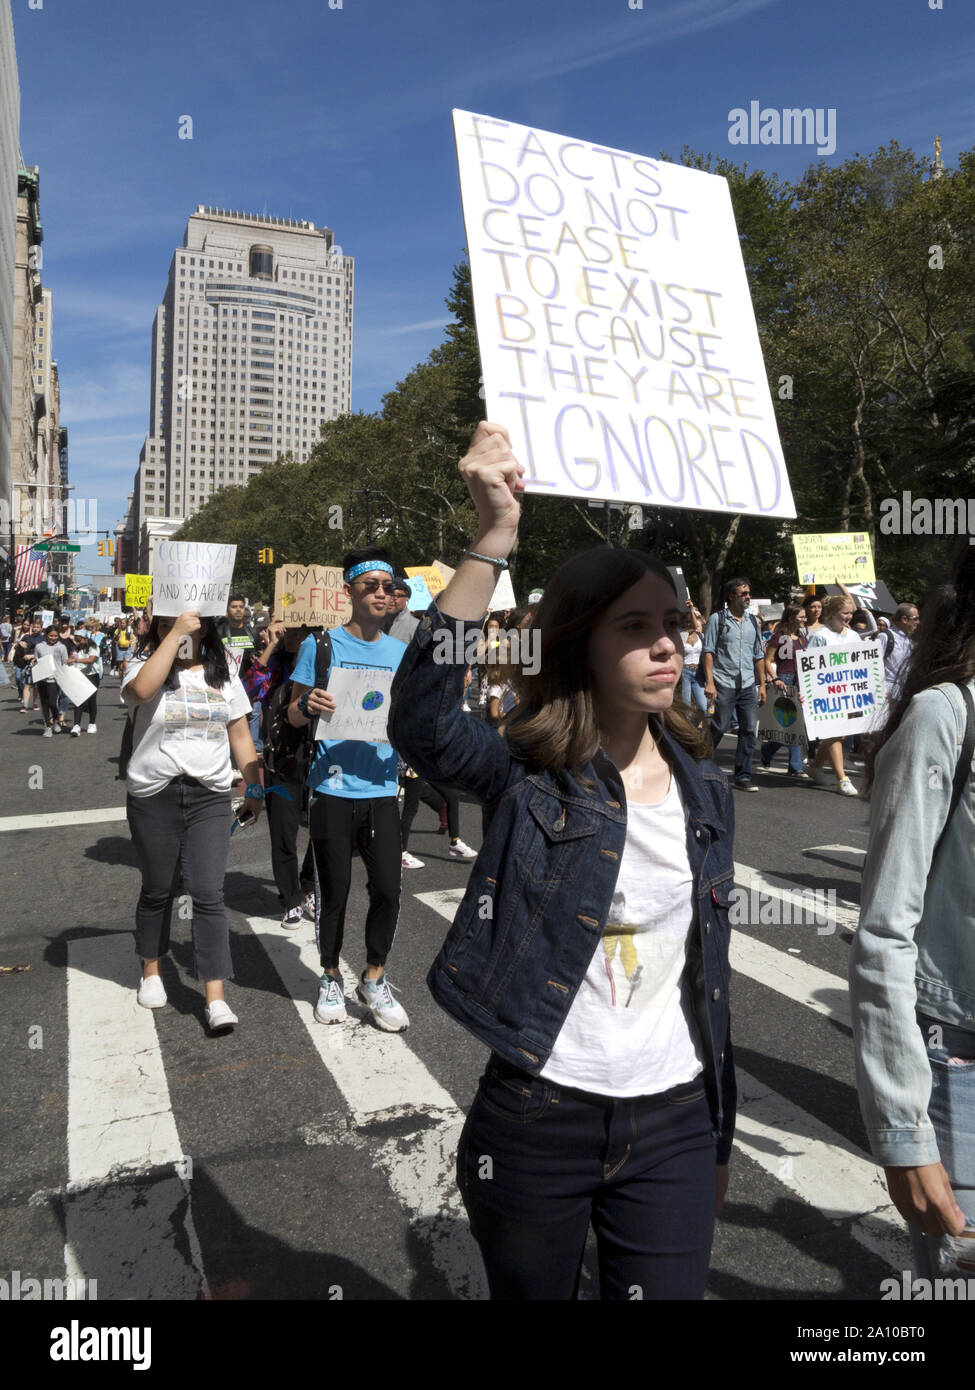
693	693
538	1162
770	749
254	724
952	1112
744	703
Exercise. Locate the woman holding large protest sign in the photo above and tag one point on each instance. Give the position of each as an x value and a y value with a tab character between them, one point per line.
837	612
190	715
912	966
591	949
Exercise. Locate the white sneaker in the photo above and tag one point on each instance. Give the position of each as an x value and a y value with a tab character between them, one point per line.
292	918
75	730
331	1000
378	999
55	728
220	1016
48	733
152	992
846	788
410	861
92	729
459	850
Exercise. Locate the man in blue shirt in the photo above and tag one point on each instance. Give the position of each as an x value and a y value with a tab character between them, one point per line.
734	675
353	788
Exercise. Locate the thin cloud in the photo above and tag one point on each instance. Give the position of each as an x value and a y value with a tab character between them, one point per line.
422	327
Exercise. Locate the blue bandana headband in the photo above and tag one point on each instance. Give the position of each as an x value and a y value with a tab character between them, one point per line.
365	567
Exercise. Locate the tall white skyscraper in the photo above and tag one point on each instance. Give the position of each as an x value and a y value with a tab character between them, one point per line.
251	353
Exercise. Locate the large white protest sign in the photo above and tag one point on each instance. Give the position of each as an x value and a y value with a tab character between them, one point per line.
191	576
844	687
109	609
44	669
614	323
76	686
504	595
362	705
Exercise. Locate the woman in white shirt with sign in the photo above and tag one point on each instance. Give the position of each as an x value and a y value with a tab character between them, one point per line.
190	714
837	613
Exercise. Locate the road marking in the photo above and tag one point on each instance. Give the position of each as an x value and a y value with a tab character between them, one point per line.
128	1231
821	1167
847	856
50	820
845	915
798	980
384	1082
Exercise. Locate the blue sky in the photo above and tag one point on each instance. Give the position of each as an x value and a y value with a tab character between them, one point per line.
343	116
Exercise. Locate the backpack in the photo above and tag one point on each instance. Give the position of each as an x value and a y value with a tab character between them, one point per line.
699	676
287	750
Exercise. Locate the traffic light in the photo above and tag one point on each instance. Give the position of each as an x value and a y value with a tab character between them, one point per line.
266	556
106	548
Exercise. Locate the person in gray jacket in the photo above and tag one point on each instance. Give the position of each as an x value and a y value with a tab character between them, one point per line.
912	967
400	622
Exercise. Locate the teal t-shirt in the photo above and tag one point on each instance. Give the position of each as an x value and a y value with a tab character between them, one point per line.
350	767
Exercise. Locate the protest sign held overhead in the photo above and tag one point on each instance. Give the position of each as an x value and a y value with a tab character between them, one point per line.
311	596
843	557
109	609
191	576
614	323
138	590
875	595
420	595
844	688
431	576
504	595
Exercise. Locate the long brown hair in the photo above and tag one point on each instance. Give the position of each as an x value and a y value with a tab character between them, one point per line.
554	724
945	650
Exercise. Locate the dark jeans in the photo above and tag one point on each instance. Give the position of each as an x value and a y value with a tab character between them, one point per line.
417	790
744	703
537	1162
183	830
336	823
284	821
90	707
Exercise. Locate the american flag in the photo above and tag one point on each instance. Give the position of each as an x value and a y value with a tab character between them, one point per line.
30	568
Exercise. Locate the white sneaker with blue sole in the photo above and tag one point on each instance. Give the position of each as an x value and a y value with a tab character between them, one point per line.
378	999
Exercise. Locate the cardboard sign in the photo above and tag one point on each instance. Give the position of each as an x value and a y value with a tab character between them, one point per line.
311	595
844	687
44	669
843	557
614	323
75	685
780	719
431	576
191	576
446	572
138	589
875	596
362	699
420	595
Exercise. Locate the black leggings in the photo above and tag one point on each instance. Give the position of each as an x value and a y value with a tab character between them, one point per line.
336	823
431	795
48	693
90	705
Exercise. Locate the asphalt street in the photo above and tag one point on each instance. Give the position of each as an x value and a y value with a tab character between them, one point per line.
292	1161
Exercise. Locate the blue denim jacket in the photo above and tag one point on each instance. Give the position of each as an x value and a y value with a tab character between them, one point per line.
540	892
915	944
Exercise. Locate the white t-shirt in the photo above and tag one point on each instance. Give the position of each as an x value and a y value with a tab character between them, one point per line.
182	731
629	1031
692	651
826	637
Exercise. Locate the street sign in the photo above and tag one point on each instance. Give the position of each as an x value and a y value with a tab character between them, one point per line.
61	546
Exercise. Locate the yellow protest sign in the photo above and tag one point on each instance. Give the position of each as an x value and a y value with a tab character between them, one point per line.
311	596
431	575
840	557
138	590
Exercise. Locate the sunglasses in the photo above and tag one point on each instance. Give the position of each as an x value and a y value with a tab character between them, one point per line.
370	586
